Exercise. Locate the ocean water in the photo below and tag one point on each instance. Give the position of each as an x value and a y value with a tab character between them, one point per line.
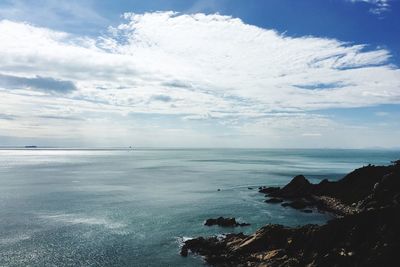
133	207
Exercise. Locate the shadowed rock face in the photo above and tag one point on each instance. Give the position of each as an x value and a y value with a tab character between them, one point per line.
274	200
298	187
370	186
357	185
367	235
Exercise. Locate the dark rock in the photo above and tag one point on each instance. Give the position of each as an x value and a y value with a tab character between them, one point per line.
371	238
396	162
299	186
297	204
184	251
364	188
268	190
357	185
274	200
368	234
224	222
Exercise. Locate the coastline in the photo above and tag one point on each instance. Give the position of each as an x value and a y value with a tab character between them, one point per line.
365	231
101	201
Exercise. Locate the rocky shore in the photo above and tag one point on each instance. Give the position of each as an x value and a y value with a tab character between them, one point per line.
366	231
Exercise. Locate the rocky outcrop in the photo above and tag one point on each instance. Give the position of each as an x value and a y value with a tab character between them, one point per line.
370	238
298	187
224	222
367	233
366	187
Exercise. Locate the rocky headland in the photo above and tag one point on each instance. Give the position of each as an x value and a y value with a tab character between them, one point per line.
366	231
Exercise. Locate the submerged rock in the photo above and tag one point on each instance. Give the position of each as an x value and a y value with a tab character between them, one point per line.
224	222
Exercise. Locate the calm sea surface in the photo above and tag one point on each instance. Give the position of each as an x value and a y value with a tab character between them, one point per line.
132	207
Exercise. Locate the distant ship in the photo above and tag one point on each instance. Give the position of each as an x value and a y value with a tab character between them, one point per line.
30	146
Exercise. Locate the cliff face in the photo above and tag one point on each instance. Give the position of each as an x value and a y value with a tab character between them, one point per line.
360	183
368	237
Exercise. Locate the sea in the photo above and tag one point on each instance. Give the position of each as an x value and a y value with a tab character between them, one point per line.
133	207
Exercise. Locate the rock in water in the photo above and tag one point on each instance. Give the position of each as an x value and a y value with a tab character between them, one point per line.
368	234
224	222
268	190
274	200
184	251
370	238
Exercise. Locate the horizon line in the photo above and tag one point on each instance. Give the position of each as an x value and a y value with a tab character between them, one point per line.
30	147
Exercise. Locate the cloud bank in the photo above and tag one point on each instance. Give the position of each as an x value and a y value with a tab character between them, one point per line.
211	68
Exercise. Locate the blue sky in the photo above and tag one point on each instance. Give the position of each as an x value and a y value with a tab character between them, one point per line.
203	73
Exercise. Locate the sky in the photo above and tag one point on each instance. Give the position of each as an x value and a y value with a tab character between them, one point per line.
200	73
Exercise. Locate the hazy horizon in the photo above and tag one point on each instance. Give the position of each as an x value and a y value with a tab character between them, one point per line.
38	147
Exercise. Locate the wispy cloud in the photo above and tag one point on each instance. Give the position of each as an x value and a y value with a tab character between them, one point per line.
197	68
378	6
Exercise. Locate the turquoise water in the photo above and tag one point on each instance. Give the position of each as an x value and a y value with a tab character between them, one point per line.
131	208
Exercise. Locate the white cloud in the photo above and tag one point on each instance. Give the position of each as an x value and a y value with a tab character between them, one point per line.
208	67
379	6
